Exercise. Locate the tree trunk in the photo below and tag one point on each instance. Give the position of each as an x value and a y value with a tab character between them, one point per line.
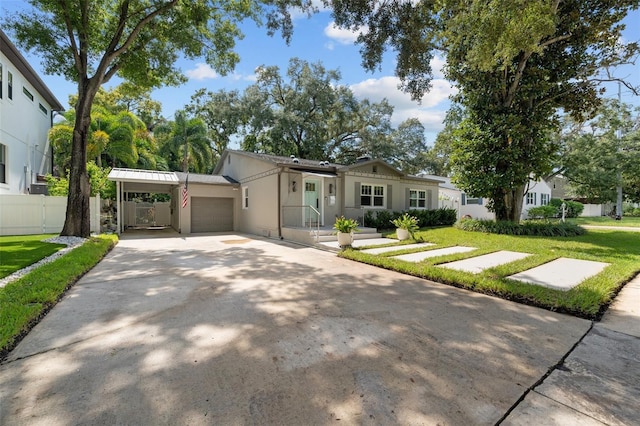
508	204
77	222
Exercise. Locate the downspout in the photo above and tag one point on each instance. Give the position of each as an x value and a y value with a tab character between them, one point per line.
279	204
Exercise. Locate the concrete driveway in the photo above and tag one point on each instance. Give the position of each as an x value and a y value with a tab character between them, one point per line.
234	329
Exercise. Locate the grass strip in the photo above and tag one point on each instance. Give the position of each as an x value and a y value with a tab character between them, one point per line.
588	300
627	221
20	251
25	301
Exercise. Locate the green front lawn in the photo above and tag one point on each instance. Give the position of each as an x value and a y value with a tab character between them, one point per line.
631	221
24	301
588	300
17	252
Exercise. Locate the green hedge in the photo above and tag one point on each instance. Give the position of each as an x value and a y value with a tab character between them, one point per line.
572	208
381	219
529	228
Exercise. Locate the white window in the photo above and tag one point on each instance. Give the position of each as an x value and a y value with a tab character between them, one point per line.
466	200
3	163
417	199
9	85
544	199
27	93
531	198
372	195
245	197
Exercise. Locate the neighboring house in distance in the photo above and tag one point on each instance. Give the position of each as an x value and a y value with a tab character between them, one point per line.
561	188
538	194
278	196
27	107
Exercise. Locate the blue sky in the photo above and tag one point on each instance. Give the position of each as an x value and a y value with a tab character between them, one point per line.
316	39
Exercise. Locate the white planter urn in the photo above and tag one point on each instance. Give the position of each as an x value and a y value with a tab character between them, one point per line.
345	239
402	234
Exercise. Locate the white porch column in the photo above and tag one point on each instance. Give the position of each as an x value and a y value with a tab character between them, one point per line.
118	207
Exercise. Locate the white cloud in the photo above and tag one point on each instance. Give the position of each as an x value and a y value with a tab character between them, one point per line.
201	72
342	35
431	111
297	13
437	63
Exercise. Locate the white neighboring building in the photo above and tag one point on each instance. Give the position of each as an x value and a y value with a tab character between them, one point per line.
27	107
539	194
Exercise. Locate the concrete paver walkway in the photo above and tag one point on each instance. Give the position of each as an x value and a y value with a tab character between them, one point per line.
380	250
486	261
561	274
235	329
360	243
420	256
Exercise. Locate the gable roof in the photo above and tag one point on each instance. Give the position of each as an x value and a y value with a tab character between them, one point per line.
313	165
21	64
277	160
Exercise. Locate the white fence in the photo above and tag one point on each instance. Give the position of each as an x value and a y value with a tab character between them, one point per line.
39	214
146	214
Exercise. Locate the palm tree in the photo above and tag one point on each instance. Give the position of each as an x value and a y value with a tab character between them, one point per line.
185	145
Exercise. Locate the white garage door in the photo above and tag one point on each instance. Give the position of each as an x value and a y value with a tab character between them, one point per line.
209	214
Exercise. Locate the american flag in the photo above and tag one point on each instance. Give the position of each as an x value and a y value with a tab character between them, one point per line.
185	193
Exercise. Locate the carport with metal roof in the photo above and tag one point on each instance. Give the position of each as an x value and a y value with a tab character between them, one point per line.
212	200
140	181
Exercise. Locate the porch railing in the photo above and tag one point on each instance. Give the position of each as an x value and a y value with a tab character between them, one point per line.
356	213
301	217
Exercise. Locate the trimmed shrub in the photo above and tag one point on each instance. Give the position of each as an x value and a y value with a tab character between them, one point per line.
528	228
573	208
382	219
542	212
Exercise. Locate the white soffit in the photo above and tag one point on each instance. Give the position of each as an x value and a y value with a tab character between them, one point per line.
320	174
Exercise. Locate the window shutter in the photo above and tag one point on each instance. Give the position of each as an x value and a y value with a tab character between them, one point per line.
389	196
430	199
463	199
356	195
407	199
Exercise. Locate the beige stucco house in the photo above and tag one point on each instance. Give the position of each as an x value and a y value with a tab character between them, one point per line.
285	197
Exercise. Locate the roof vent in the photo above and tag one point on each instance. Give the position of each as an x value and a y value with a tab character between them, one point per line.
295	160
292	156
363	158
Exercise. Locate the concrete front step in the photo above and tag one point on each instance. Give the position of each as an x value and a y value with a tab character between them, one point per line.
362	234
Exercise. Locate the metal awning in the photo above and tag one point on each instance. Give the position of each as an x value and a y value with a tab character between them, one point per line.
143	176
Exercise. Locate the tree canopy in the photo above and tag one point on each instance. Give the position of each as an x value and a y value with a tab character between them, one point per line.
602	153
90	42
306	112
516	64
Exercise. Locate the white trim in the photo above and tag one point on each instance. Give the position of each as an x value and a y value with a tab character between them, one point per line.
426	199
372	195
245	198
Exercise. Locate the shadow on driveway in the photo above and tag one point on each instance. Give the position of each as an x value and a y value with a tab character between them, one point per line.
234	329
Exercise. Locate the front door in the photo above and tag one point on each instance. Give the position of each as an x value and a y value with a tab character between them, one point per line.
311	198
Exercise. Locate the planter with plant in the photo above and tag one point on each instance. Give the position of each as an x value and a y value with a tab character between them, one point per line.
406	226
346	228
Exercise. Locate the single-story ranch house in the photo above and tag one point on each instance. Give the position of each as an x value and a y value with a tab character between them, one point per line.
273	196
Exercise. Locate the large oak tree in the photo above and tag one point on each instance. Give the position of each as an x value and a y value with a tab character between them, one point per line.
515	63
90	42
